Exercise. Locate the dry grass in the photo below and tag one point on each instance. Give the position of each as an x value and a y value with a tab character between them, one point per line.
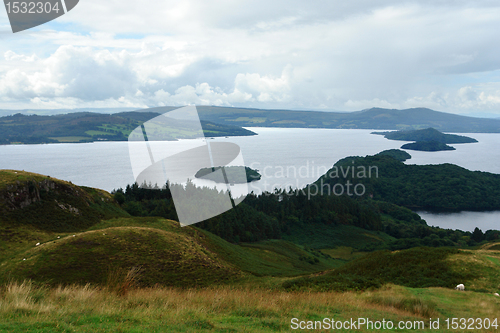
121	281
400	298
87	308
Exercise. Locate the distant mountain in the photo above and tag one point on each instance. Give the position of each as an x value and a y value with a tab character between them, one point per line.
52	112
374	118
89	127
428	134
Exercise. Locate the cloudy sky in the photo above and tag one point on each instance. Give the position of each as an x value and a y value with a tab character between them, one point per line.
319	55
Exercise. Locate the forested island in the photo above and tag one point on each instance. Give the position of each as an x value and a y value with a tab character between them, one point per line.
428	139
428	134
442	187
397	154
427	146
229	174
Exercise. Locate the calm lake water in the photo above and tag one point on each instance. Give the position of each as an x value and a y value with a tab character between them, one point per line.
284	157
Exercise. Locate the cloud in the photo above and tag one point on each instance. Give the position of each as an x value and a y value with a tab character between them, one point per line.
72	72
327	55
248	87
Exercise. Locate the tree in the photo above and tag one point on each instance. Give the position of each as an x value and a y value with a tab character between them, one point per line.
477	235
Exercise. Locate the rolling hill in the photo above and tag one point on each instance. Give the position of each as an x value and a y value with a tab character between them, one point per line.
54	232
89	127
99	269
374	118
227	121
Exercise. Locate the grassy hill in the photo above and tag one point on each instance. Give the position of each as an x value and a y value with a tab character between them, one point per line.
156	251
121	273
479	270
34	207
89	127
84	236
151	255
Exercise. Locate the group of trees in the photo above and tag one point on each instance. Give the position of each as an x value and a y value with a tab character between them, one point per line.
275	215
431	187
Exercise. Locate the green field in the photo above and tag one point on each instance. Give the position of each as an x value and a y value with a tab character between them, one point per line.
70	139
26	308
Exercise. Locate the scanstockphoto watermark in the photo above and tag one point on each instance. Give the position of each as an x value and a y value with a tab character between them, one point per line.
339	180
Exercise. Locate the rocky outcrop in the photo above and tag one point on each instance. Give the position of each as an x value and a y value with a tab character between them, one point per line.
22	194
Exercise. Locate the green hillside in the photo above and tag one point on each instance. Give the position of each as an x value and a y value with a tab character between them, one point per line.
89	127
105	271
228	121
51	204
34	207
54	232
156	251
156	257
417	268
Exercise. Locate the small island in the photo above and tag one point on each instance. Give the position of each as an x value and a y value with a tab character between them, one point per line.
427	146
397	154
429	134
234	174
428	139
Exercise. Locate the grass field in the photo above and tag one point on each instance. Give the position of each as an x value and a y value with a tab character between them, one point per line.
70	139
93	133
25	308
343	252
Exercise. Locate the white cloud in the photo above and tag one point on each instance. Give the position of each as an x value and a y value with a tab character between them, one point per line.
321	55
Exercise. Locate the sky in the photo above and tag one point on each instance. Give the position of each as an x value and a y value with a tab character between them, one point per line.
316	55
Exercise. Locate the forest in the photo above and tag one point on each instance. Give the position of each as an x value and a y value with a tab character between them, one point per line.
443	187
320	221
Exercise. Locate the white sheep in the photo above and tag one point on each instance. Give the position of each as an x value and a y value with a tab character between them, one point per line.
460	287
496	294
37	244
